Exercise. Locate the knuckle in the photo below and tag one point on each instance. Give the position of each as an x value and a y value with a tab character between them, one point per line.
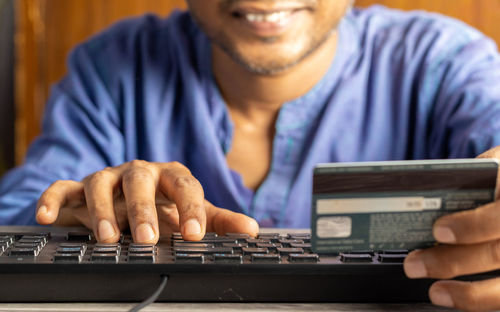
139	205
470	297
99	209
99	176
59	184
186	182
137	163
451	269
494	251
178	167
140	210
136	174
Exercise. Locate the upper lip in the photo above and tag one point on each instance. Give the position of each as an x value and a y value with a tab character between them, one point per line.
252	7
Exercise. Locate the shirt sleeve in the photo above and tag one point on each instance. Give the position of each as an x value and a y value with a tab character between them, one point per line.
465	120
80	135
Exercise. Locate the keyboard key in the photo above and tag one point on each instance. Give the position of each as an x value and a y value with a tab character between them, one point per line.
268	235
359	252
395	252
141	257
6	239
67	258
355	257
296	236
254	250
40	240
224	258
75	245
218	241
14	252
189	258
192	244
392	258
221	250
35	246
107	245
236	247
270	246
265	258
303	258
40	234
238	236
141	250
252	242
289	250
286	242
140	245
106	250
191	250
104	258
79	236
176	236
71	250
306	247
210	235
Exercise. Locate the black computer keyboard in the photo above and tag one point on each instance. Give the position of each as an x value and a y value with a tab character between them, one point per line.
60	264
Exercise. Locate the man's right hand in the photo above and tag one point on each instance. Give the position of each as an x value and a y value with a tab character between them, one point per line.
150	198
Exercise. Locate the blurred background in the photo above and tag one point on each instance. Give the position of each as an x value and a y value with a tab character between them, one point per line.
36	36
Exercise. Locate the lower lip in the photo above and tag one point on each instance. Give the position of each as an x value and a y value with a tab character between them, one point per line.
270	29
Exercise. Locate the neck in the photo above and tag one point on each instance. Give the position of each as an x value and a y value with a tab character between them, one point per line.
252	94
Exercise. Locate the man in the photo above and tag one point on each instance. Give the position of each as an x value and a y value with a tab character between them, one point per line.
233	104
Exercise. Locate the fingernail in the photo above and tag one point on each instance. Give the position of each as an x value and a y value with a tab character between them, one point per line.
144	232
414	268
441	297
444	234
42	210
105	230
192	227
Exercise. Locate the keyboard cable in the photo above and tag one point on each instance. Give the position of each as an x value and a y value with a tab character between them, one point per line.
153	297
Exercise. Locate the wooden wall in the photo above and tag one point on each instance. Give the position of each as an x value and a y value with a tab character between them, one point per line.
48	29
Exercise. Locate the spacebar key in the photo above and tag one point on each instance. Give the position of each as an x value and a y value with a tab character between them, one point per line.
15	252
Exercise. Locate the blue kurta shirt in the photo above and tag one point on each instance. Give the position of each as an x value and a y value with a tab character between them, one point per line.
402	86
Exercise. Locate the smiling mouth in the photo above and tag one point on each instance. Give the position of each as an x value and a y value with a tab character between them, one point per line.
268	22
264	17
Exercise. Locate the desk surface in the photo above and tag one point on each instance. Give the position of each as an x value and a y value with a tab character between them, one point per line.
222	307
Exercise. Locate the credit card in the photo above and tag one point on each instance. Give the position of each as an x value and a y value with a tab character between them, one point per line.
393	204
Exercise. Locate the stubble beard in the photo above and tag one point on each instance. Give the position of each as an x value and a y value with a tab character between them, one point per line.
272	67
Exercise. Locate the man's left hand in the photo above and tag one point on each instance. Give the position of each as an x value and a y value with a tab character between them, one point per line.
471	244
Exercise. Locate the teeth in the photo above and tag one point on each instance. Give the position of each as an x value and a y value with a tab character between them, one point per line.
274	17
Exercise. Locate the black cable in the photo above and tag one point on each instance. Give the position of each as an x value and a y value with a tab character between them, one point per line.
153	297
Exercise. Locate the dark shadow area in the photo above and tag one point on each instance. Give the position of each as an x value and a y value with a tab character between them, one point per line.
6	85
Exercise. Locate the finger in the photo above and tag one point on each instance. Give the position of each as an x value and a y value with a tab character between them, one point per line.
99	189
448	261
59	194
139	187
224	221
470	296
181	187
469	226
168	218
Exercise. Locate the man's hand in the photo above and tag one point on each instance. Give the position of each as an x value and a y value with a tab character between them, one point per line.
151	198
471	245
